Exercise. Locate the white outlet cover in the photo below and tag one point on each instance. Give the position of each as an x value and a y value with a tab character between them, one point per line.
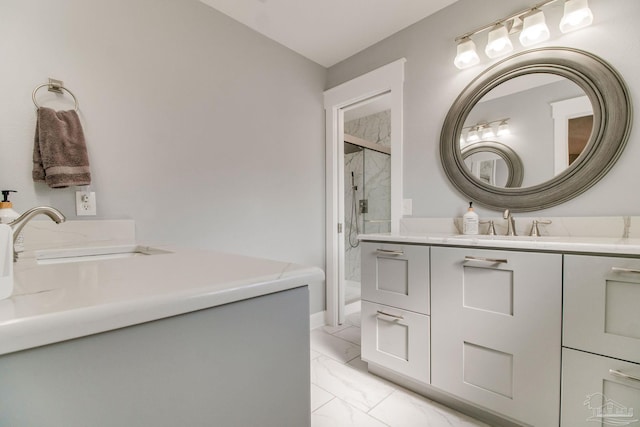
86	203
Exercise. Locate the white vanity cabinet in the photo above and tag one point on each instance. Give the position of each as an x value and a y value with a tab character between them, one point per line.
496	330
395	308
598	390
601	336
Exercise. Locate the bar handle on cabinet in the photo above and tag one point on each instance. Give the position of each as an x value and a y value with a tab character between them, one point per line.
390	252
491	260
625	270
390	315
623	375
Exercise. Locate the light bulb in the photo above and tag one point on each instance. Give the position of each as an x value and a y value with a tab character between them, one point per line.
498	42
487	132
466	56
503	129
534	29
473	135
576	15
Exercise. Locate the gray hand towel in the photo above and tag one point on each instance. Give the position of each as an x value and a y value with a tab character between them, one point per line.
60	153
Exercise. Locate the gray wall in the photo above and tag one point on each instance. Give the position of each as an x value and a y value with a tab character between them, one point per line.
203	131
432	83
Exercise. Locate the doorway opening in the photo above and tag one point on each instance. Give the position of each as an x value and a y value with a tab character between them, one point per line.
370	199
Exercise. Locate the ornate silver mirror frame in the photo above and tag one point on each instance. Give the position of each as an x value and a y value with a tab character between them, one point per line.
612	116
511	159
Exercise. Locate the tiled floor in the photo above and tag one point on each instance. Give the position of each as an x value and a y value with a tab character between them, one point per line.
344	394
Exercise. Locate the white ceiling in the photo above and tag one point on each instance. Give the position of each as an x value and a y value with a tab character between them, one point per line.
328	31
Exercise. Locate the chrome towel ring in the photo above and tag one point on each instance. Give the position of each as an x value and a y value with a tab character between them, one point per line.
56	86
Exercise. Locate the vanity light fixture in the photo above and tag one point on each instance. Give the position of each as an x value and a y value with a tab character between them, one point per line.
498	42
473	136
531	25
487	132
467	55
534	29
503	128
576	15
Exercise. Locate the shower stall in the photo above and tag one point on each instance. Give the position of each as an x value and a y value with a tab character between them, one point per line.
367	204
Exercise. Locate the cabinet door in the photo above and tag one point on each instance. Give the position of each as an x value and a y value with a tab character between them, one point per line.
602	305
396	339
396	275
596	392
496	329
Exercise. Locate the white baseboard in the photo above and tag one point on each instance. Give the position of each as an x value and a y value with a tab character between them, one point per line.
318	319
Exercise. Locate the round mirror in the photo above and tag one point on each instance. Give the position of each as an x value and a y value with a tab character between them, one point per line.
564	112
493	163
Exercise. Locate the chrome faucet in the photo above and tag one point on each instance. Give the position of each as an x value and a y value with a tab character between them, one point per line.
511	223
18	224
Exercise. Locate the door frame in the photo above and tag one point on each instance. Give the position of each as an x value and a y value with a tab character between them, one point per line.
386	79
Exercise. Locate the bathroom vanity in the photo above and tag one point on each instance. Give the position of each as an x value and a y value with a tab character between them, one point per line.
179	337
515	331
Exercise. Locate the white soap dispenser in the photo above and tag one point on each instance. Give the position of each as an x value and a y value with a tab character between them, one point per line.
7	214
470	221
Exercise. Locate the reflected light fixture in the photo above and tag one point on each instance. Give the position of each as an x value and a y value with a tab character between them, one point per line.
467	55
487	132
498	42
530	23
503	128
534	28
473	136
484	131
576	15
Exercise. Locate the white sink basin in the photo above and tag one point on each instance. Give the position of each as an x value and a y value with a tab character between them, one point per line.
61	256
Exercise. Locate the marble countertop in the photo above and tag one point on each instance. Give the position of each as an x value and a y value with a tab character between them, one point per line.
564	244
53	303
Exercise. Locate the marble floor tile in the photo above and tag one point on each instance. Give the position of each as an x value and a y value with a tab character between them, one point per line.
314	354
353	319
338	413
405	409
319	397
333	329
360	365
356	388
334	347
351	334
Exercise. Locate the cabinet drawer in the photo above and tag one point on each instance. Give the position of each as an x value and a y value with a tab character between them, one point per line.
396	275
396	339
601	305
594	395
496	330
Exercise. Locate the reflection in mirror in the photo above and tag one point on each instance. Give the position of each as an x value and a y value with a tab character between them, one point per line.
494	164
527	100
489	168
573	125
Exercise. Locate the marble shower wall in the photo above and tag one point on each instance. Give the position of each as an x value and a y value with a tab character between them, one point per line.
372	173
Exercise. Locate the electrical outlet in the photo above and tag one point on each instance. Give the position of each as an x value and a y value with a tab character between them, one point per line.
85	203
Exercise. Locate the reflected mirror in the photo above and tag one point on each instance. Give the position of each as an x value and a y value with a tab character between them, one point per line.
568	115
530	107
493	163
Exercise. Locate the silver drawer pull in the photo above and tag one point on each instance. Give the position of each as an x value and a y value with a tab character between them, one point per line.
623	375
625	270
390	252
491	260
390	315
